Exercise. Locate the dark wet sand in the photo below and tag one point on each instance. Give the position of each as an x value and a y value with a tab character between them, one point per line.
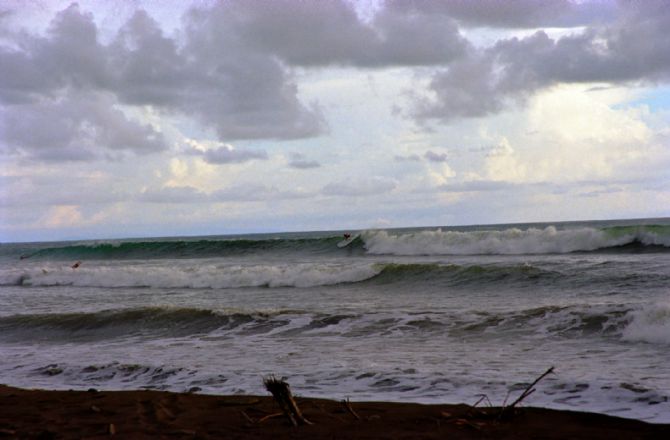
43	414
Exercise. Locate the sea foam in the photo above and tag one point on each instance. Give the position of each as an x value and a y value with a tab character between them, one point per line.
191	275
650	324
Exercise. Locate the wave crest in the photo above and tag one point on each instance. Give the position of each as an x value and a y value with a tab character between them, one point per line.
513	241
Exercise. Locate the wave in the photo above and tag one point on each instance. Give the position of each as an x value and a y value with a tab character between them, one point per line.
191	274
513	241
174	248
508	241
651	325
110	324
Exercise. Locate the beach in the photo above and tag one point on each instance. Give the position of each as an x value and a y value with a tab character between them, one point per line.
92	414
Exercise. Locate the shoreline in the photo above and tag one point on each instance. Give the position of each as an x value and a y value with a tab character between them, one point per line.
47	414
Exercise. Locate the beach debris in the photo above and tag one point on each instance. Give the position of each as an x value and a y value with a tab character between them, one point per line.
347	405
112	429
527	392
482	398
281	392
95	409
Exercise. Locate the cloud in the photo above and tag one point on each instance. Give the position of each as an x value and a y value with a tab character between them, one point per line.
75	128
431	156
174	194
512	14
299	161
476	186
248	192
227	154
408	158
209	74
632	50
330	33
360	187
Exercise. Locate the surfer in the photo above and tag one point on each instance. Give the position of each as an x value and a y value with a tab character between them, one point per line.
347	236
76	265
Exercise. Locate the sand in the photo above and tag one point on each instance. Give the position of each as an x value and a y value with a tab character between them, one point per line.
92	414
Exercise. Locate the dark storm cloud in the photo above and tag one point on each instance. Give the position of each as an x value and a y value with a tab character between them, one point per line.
634	49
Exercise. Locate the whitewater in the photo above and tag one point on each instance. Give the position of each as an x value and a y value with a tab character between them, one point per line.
440	314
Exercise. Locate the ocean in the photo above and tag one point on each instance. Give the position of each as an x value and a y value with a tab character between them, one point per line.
430	315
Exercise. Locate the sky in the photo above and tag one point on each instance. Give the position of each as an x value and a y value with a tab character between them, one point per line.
145	118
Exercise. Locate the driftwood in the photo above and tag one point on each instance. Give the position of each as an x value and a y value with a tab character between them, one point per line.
527	392
347	405
282	394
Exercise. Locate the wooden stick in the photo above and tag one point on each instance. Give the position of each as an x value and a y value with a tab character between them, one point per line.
347	405
527	392
282	394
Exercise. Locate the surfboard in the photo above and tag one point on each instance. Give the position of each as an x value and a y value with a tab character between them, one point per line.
347	242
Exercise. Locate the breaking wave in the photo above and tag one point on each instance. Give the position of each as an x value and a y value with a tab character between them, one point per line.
193	275
513	241
576	321
510	241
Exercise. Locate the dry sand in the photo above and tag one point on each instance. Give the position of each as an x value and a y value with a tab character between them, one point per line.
94	414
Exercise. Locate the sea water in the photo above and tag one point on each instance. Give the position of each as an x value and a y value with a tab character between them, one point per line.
427	315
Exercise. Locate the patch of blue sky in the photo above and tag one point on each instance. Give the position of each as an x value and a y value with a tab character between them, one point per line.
656	99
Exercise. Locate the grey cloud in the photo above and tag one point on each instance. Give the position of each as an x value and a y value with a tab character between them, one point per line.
330	33
435	157
75	128
360	187
513	13
227	154
299	161
632	50
209	74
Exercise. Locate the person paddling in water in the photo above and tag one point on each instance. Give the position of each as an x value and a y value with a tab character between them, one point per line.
76	265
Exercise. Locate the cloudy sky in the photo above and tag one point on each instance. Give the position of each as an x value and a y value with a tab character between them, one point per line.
153	118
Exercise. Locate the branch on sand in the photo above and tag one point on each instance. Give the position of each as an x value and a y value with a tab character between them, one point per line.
282	394
505	410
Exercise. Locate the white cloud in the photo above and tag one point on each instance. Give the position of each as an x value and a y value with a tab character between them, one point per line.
360	187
